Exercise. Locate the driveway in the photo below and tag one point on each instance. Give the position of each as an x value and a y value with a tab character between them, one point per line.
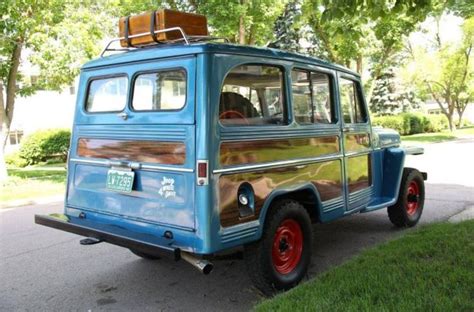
43	269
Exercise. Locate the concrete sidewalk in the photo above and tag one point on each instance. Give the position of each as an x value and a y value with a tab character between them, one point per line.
31	201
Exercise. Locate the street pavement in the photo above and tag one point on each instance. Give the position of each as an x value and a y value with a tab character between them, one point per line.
43	269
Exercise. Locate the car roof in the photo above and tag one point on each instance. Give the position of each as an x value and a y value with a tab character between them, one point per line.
172	50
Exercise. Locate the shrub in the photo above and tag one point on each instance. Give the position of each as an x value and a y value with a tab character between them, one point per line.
45	144
412	123
392	122
436	123
15	160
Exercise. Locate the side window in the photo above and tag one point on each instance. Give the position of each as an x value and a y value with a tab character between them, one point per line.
252	95
311	97
301	97
159	91
351	104
107	95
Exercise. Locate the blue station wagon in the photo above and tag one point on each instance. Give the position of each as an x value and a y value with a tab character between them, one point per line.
197	147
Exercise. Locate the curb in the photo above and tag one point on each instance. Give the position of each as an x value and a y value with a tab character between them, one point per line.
466	214
34	201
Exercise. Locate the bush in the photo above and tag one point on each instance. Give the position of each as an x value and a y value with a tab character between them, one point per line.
412	123
15	160
436	123
45	144
392	122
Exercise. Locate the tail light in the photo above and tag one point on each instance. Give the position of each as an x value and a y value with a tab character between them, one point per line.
202	172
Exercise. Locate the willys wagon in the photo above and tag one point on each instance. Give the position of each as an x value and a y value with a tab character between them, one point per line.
195	147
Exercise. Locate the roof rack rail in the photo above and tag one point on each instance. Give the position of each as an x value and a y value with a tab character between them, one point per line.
184	38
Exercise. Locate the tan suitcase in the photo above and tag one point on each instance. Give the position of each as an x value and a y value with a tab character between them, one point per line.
192	25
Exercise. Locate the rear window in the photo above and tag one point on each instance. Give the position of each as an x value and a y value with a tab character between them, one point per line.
253	95
159	91
107	94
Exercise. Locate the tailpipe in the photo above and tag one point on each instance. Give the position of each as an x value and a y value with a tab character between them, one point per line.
202	265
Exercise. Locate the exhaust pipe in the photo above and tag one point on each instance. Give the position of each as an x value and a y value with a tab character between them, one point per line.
202	265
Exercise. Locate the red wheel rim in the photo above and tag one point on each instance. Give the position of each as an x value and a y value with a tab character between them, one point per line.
287	246
413	195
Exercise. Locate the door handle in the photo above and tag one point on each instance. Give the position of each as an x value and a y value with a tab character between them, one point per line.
124	116
346	130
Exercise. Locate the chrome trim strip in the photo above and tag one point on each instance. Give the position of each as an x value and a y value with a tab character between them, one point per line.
142	166
279	164
358	153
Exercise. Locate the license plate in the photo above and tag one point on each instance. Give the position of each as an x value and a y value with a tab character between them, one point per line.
120	181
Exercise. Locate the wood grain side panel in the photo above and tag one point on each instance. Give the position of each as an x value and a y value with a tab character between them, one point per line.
169	153
326	176
250	152
359	174
356	142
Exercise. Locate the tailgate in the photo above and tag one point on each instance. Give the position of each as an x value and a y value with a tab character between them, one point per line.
134	159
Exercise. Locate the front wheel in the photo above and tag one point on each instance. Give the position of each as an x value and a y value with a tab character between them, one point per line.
407	210
281	258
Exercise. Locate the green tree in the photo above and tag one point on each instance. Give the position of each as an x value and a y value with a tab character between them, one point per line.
445	72
58	41
287	32
346	32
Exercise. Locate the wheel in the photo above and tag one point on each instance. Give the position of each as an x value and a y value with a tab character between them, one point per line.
144	255
407	210
280	259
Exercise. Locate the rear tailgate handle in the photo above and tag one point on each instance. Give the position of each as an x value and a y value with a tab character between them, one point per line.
117	163
126	164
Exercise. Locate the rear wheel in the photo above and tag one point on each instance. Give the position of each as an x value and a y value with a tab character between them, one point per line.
144	255
407	210
281	258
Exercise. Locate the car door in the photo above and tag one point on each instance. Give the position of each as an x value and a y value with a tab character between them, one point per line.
356	142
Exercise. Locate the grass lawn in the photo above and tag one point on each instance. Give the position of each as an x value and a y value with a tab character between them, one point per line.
445	135
34	181
430	269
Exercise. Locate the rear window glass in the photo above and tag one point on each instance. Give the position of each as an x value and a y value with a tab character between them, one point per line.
107	95
159	91
253	95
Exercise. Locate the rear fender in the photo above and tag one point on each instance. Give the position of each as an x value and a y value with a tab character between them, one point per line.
285	192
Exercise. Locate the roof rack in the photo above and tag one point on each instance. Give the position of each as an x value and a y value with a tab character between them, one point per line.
184	38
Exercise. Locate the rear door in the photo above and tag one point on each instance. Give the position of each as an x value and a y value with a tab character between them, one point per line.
356	143
132	151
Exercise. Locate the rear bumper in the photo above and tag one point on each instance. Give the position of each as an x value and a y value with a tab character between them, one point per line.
110	234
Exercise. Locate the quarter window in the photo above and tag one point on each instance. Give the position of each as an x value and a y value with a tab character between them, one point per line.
252	95
352	108
107	95
159	91
311	97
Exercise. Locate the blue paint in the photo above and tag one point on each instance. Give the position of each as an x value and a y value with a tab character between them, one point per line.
192	215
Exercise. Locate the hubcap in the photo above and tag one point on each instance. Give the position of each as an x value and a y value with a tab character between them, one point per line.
287	246
413	195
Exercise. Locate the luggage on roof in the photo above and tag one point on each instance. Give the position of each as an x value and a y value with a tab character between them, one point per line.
151	22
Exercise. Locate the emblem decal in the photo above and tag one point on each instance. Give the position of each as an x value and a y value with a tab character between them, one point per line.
167	188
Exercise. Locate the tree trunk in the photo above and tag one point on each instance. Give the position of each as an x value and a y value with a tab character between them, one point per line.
242	25
4	131
359	64
7	107
452	126
460	121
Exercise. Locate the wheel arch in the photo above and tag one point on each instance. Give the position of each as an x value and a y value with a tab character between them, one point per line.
306	194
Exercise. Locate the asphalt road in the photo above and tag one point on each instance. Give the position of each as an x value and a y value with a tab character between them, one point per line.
42	269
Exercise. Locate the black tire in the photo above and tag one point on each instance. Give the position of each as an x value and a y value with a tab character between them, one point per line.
144	255
259	256
407	210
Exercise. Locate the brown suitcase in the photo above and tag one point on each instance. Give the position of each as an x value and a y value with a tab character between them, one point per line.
192	25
